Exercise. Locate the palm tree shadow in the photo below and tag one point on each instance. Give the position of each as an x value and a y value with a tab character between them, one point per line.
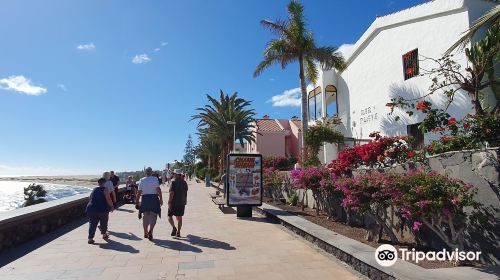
176	245
207	242
117	246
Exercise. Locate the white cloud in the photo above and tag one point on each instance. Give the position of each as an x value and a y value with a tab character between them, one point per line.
62	87
86	47
271	79
141	58
157	49
346	50
289	98
21	84
163	44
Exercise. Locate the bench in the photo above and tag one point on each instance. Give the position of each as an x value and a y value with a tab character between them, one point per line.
214	195
219	201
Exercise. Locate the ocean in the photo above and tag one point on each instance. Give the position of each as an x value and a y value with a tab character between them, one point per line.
12	195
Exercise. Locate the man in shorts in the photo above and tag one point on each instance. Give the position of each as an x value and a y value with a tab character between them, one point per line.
150	196
177	202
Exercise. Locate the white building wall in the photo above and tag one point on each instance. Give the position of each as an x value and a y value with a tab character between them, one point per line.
376	74
375	68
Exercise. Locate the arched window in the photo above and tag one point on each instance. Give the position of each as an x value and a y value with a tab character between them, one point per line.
314	103
331	100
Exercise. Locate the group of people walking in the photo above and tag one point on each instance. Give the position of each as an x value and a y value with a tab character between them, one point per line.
148	201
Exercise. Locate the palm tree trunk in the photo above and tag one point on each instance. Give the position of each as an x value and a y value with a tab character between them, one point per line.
305	119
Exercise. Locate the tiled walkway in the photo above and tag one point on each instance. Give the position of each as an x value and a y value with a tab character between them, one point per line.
214	245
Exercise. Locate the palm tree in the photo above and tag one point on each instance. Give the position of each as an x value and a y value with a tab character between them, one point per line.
296	44
213	118
209	150
490	19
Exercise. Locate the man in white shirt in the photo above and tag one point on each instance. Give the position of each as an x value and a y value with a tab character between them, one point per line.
150	193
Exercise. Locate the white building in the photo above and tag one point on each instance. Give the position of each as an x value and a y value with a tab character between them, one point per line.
376	70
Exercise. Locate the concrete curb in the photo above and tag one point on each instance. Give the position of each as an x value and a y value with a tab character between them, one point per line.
361	256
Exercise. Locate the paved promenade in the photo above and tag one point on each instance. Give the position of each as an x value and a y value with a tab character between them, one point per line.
214	245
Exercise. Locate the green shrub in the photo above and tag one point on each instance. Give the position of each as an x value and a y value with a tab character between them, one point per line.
294	199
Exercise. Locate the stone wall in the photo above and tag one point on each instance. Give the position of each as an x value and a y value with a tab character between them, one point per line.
23	224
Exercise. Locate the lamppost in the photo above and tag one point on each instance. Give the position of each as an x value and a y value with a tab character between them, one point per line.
234	132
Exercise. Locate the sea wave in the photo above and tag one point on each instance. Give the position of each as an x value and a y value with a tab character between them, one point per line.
12	195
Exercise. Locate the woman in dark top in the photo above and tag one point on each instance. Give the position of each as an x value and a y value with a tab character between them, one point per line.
98	208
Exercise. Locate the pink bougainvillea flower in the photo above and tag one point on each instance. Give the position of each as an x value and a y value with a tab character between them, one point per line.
466	125
416	225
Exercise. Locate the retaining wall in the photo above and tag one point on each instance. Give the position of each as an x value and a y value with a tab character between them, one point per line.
23	224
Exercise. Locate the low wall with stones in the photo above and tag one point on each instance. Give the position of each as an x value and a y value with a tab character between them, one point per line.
23	224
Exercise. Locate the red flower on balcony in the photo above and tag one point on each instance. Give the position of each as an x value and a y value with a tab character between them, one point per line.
466	125
409	71
452	121
422	105
410	154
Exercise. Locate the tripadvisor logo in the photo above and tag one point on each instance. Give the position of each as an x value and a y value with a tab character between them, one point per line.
387	255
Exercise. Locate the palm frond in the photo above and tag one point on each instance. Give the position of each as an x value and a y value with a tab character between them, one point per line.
488	19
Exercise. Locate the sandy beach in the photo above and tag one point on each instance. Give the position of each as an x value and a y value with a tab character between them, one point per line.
72	180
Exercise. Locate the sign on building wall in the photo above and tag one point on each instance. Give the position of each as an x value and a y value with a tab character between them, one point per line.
244	180
368	115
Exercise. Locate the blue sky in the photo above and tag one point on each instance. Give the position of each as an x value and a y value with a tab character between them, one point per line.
94	85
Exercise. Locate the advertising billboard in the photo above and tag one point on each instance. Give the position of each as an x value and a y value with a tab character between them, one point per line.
244	180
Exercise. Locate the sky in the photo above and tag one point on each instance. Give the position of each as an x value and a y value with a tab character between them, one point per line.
94	85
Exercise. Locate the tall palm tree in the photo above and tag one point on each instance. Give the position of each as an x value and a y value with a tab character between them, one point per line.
489	19
294	43
213	118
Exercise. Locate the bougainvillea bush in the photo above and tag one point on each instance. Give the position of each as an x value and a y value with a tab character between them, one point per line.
280	163
273	181
320	181
418	198
374	194
382	151
436	202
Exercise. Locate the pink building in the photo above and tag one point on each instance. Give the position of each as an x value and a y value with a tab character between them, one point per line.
275	137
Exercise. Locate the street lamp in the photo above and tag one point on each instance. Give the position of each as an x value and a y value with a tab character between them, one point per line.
234	132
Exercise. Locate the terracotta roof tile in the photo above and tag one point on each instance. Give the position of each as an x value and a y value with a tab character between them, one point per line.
269	125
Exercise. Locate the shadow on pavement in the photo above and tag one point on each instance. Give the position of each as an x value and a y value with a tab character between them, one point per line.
207	242
258	219
124	210
117	246
13	254
228	210
129	236
176	245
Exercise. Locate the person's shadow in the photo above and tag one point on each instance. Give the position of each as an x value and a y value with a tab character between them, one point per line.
117	246
207	242
129	236
176	245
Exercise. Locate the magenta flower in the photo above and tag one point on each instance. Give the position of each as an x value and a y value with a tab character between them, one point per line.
416	225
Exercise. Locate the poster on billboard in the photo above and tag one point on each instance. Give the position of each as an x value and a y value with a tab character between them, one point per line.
244	180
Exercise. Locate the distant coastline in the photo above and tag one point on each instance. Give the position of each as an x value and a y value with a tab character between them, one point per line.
75	180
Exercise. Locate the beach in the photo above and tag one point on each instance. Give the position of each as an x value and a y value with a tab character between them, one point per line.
11	188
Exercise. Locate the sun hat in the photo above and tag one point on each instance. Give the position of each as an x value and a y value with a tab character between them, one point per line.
177	171
149	169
